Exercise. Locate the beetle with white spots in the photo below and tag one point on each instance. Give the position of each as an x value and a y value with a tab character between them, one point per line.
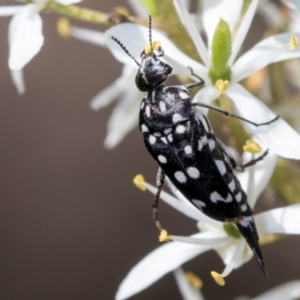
179	138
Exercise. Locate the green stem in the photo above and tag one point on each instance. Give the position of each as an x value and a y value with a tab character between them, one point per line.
79	13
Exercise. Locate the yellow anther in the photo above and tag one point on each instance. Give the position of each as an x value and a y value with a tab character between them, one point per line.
194	280
155	45
252	147
219	279
63	27
164	236
293	42
221	85
139	182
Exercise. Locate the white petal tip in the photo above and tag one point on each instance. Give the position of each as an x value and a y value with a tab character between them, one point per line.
110	143
18	80
94	106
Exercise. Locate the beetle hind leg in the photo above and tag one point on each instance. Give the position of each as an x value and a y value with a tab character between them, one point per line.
160	180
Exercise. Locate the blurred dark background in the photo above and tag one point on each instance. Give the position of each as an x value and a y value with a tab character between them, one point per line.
72	224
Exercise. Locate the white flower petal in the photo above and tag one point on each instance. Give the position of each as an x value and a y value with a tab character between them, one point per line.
156	264
280	220
10	10
135	38
207	238
88	35
295	22
182	68
231	256
279	137
183	207
192	30
287	291
25	37
107	95
124	117
187	208
205	95
18	80
111	92
67	2
214	10
293	4
263	171
242	31
188	292
236	259
269	50
289	54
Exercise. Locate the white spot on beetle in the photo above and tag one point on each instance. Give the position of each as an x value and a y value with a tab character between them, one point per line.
221	166
144	128
180	129
180	177
198	203
152	139
231	185
148	114
164	140
229	198
188	150
193	172
238	197
215	196
244	207
202	142
162	159
211	144
184	95
176	118
246	221
168	130
158	134
162	106
170	138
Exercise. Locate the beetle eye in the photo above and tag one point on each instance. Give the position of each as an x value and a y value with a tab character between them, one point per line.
160	51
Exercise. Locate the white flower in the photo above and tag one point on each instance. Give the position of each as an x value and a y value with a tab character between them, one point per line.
25	37
233	251
279	136
287	291
187	290
125	115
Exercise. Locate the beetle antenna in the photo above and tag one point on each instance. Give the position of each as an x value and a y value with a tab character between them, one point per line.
125	50
150	33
